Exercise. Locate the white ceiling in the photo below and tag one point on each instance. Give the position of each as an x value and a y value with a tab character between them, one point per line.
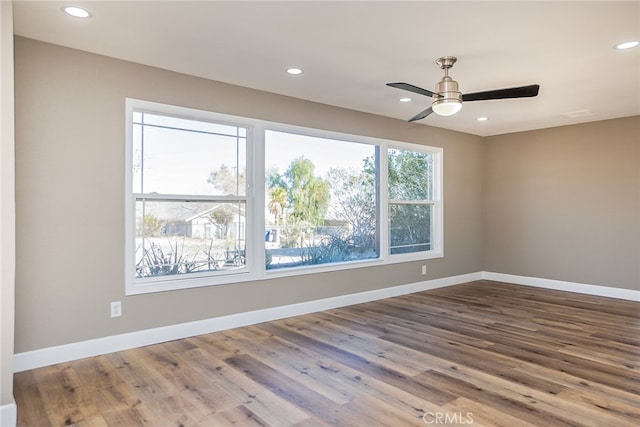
349	50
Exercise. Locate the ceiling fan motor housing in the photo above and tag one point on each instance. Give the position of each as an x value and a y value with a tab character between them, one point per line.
447	99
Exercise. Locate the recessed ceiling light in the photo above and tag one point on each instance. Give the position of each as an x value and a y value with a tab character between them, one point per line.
627	45
294	71
405	99
482	119
76	12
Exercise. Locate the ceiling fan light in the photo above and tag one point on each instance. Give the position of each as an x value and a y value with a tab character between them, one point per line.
446	107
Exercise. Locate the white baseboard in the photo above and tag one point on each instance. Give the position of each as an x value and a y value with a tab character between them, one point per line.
9	415
79	350
559	285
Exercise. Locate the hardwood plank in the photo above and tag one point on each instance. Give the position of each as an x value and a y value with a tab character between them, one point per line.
366	410
237	416
149	384
577	366
96	373
580	384
526	411
301	368
120	405
66	400
33	410
477	414
346	382
261	401
581	412
501	354
602	409
303	397
376	370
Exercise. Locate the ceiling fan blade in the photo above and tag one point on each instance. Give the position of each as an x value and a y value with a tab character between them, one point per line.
411	88
514	92
421	115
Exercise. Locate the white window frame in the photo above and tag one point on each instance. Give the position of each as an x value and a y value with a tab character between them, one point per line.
437	231
255	202
197	279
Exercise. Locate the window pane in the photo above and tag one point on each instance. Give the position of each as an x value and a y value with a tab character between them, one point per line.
320	197
186	237
410	175
410	227
194	163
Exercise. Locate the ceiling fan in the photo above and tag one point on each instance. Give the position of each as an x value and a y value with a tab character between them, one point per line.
447	98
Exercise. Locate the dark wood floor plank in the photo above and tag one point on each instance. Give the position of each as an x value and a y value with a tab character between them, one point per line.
494	353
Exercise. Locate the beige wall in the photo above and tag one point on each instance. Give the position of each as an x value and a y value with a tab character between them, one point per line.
564	203
70	196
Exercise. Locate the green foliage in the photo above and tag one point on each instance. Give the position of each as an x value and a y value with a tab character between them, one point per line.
277	203
409	179
152	225
274	179
409	175
410	226
305	195
308	194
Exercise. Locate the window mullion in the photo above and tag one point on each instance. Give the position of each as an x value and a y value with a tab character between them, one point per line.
383	202
411	202
188	198
256	178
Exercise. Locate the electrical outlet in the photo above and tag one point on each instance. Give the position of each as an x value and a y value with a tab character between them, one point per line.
116	309
424	270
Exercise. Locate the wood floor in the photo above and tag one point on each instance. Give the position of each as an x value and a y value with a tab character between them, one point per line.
479	354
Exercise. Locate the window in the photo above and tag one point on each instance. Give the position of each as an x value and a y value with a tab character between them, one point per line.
188	192
411	200
215	199
321	200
